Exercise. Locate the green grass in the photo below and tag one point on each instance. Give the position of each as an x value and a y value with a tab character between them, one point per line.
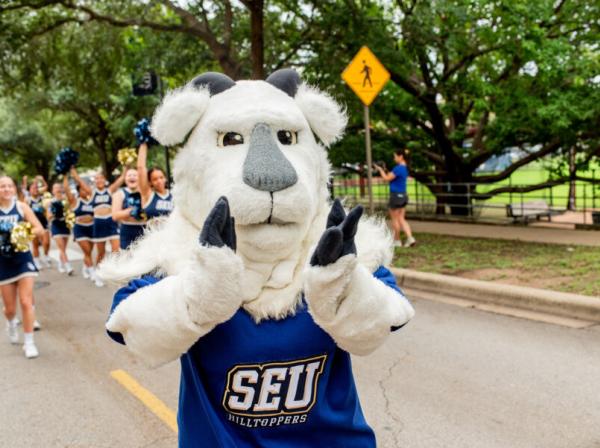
573	269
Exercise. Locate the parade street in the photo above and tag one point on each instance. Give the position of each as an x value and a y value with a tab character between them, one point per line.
453	377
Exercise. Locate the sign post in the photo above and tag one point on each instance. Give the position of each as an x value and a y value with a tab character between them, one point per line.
366	76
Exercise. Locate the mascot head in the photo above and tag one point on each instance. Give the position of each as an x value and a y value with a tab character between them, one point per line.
253	142
262	145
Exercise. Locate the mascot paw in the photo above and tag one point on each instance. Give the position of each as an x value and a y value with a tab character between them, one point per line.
219	226
338	239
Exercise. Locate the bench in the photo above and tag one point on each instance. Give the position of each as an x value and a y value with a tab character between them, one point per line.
526	211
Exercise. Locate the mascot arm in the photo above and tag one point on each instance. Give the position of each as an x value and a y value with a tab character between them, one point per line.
357	309
160	320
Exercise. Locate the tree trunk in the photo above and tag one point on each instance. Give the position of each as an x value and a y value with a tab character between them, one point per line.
257	38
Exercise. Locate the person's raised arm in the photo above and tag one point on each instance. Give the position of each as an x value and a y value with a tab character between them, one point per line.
83	186
44	186
143	184
117	183
390	176
24	185
72	199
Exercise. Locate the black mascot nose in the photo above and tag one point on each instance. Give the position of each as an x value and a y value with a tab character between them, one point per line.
266	168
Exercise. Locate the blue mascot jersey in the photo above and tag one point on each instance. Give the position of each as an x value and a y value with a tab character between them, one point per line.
280	383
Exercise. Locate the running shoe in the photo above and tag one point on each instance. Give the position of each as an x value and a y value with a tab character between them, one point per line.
61	268
397	243
37	264
47	261
69	268
99	283
36	325
410	241
31	351
13	334
84	272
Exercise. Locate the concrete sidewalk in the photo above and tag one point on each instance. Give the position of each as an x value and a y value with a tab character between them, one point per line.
521	233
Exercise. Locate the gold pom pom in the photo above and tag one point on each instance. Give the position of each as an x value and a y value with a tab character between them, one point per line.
46	200
69	218
21	235
127	156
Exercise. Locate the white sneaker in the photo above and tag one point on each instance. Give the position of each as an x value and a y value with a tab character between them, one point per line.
61	268
13	334
397	243
84	272
99	283
31	351
410	241
36	325
37	264
47	261
69	268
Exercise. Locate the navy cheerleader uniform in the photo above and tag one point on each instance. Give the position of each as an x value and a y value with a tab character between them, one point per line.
130	231
159	205
38	210
18	264
105	229
58	225
83	232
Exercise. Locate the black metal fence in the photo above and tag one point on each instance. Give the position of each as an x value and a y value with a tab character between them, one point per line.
463	201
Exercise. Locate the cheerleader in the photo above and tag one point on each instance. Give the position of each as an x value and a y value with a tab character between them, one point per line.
58	227
156	198
83	230
34	199
127	209
105	229
17	269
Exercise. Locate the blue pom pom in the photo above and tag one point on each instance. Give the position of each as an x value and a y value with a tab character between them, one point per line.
142	133
65	159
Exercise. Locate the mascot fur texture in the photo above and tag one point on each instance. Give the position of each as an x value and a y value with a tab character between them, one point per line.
264	308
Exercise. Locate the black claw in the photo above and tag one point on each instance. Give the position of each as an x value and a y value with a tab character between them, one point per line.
329	248
336	214
218	229
338	238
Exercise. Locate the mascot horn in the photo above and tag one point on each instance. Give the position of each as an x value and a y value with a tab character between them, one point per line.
258	283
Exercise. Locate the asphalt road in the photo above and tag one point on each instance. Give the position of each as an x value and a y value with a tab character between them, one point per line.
453	377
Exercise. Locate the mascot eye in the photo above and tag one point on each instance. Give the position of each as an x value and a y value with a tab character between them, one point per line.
229	139
287	137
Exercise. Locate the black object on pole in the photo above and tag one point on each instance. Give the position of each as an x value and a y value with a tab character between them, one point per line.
146	85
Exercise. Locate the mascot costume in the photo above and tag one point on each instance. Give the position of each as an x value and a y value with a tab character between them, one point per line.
258	283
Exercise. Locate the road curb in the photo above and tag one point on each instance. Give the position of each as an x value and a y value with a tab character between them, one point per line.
533	299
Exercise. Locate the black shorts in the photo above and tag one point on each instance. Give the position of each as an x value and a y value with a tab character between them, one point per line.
398	200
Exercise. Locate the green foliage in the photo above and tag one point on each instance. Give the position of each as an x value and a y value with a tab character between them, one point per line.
469	78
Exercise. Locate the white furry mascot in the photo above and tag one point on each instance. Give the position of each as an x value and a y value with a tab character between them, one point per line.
260	285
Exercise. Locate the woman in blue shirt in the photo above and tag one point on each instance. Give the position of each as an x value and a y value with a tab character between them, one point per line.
398	198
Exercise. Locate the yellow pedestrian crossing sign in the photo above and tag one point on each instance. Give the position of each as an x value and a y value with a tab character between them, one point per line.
366	75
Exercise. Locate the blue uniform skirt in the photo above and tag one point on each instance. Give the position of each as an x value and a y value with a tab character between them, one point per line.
59	228
105	229
129	233
16	267
83	232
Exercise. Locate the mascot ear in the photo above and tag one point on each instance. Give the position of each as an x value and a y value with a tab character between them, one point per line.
325	116
181	109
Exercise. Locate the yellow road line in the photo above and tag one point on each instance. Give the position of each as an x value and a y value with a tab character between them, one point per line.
150	400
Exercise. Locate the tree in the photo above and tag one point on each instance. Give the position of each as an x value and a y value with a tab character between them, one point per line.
471	79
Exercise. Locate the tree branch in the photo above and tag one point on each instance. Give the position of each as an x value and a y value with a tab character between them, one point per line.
545	150
468	59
